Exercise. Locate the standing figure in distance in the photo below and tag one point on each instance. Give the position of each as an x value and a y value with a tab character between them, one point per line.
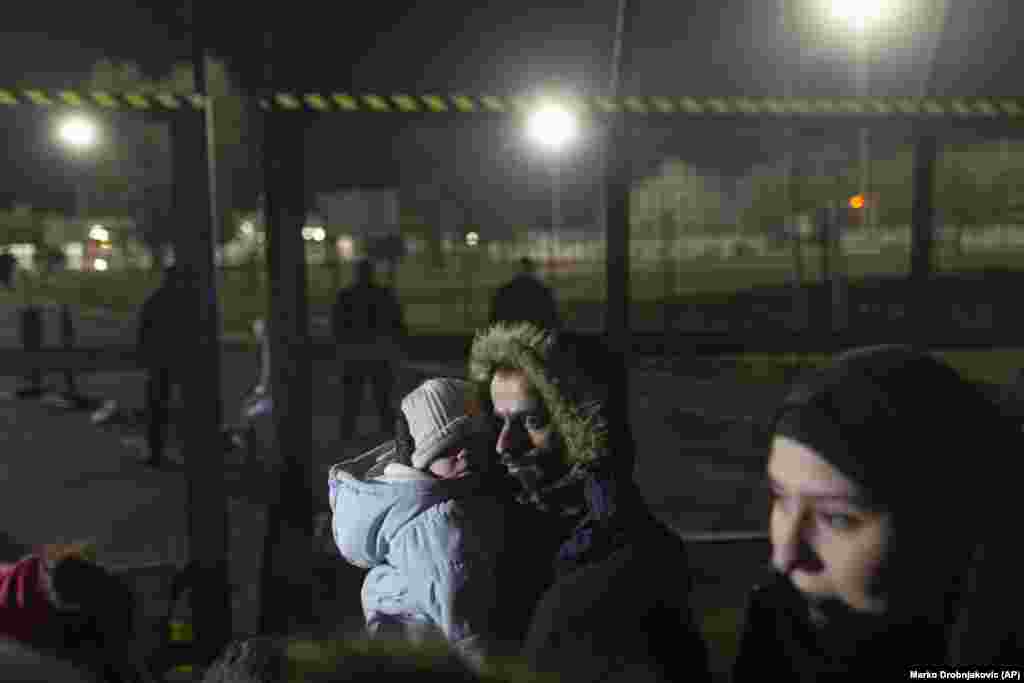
524	298
368	328
159	345
8	268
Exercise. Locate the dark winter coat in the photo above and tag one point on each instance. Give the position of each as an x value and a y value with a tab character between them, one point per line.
617	603
780	640
163	325
367	323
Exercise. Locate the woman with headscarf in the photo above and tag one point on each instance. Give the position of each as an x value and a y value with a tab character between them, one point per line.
888	525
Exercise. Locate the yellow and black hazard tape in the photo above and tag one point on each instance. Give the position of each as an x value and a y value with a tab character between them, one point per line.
880	107
102	99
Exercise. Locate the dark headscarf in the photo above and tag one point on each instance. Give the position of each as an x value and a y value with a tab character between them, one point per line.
894	420
927	445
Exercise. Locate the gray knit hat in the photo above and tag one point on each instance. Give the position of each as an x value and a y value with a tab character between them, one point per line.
438	412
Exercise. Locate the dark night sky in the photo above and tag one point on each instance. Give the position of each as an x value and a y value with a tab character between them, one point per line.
685	47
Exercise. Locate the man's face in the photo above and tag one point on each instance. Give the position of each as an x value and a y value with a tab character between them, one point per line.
527	442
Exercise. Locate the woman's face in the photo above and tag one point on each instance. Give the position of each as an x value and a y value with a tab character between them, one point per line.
825	538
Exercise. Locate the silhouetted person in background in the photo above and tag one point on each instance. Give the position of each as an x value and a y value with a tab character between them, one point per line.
368	326
8	265
526	299
159	347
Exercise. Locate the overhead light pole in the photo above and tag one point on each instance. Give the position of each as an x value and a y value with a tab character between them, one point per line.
80	134
555	128
860	16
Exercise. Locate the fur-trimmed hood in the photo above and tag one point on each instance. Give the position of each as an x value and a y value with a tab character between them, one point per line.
573	400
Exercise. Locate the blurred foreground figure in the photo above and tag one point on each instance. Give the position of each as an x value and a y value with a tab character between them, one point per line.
294	659
60	603
891	478
21	664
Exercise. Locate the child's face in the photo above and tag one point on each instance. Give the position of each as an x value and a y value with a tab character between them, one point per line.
458	461
452	465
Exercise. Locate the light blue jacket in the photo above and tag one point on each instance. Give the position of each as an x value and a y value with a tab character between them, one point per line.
430	545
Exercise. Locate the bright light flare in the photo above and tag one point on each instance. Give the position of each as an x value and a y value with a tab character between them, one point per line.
99	233
859	13
78	132
472	239
315	233
100	264
552	126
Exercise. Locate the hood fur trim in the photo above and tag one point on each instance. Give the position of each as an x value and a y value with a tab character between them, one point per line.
523	346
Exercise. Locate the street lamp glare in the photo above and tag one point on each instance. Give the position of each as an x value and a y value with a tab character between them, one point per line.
860	13
78	131
552	126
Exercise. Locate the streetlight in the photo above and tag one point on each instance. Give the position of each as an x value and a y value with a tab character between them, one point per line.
861	15
554	127
80	134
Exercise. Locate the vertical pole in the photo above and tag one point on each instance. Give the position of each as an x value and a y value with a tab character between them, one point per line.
556	213
864	133
922	222
287	586
667	274
838	279
204	458
67	338
799	300
616	195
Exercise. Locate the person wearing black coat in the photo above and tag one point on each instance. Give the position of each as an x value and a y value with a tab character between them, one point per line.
369	327
602	586
162	323
524	298
893	548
